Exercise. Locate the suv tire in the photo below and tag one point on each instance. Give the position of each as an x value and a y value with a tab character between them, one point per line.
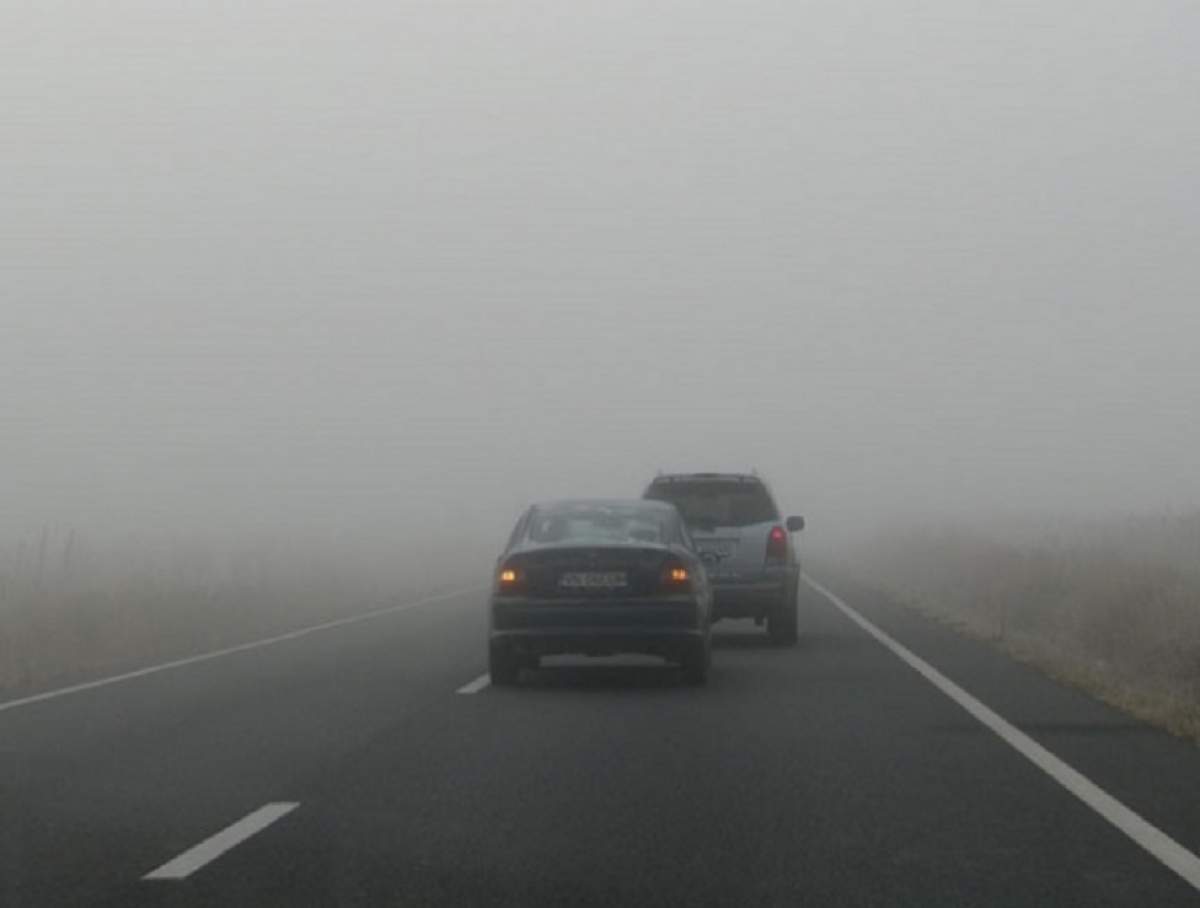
783	624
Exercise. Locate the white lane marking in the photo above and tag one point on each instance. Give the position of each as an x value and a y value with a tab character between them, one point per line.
1151	838
475	686
230	650
210	849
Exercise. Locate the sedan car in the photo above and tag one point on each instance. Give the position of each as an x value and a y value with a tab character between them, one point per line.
599	578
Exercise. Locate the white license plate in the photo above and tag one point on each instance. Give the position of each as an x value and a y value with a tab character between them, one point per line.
609	580
720	549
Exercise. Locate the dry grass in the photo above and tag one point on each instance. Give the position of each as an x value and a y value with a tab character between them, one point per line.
1122	622
66	616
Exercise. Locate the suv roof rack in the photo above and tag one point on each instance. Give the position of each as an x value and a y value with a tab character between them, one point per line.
725	477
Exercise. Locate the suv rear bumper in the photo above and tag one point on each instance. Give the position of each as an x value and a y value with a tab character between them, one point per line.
751	600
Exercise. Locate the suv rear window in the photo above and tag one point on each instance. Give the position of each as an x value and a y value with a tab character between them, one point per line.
711	503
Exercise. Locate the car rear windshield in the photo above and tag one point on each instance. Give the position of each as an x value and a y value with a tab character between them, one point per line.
717	504
599	524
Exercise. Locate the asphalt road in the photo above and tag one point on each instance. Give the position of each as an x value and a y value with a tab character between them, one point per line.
344	767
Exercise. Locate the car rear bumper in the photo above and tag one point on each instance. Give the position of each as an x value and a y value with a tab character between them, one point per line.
598	642
542	627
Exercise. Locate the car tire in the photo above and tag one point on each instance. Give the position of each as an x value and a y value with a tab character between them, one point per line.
783	625
696	662
503	667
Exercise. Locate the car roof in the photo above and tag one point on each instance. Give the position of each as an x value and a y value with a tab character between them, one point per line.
708	477
639	503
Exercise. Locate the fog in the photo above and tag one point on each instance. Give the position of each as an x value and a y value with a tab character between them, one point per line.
384	272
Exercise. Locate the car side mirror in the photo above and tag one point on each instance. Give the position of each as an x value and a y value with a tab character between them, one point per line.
795	524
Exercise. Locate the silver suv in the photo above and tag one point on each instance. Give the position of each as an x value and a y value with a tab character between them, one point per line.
748	552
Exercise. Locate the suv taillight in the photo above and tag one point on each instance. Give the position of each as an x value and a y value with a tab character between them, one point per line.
777	544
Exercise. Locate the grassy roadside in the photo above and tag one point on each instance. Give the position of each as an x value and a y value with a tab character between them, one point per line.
1125	629
63	619
47	640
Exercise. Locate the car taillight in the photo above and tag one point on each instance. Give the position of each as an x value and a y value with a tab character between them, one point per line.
509	578
777	544
675	578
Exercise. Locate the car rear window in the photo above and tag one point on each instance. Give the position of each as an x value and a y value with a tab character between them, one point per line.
588	524
717	504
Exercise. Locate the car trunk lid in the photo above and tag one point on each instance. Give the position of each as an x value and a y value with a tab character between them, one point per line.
593	571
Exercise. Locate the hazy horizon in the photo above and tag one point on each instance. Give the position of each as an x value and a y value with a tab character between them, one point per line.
312	269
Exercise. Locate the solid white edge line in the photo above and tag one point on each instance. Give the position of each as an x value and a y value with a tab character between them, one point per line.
474	687
1149	837
210	849
230	650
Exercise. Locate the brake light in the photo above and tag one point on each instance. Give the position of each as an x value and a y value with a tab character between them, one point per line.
777	542
508	576
676	578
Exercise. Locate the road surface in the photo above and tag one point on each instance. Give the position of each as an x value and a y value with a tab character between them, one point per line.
368	763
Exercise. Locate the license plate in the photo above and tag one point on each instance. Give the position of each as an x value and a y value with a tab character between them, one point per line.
720	549
609	580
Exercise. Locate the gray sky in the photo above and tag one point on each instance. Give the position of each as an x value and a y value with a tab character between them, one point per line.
274	266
